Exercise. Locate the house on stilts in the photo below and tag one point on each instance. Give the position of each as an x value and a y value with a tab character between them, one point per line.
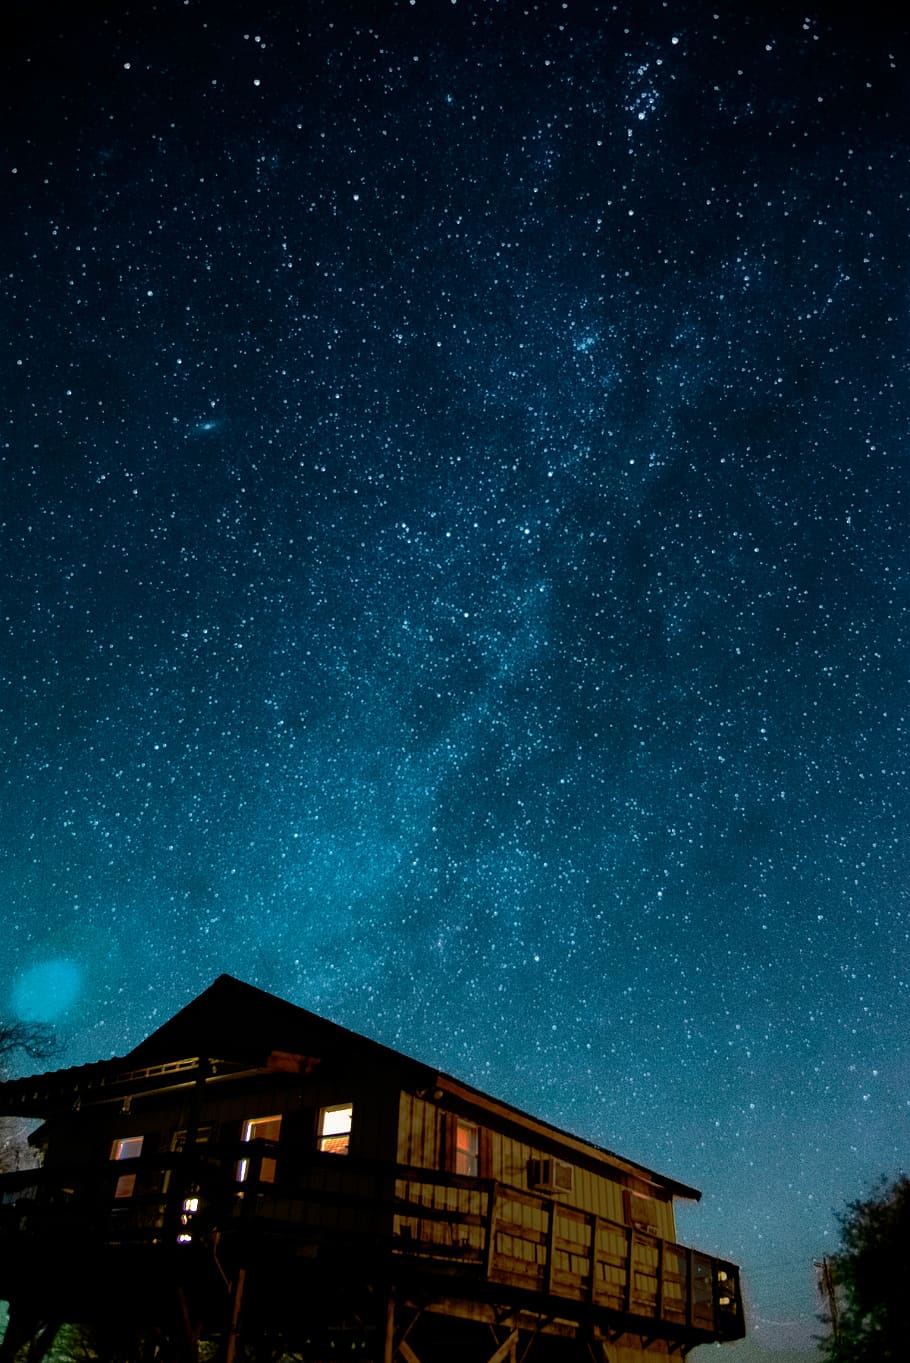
255	1181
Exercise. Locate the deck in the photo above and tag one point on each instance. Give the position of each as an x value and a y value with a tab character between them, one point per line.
475	1240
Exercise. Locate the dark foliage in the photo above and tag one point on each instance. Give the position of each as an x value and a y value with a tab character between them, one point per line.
872	1273
36	1039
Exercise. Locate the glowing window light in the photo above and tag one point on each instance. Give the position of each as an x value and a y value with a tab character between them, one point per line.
335	1128
260	1129
467	1149
126	1147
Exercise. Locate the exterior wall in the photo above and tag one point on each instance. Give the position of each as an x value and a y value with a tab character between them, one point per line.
80	1144
621	1199
389	1125
420	1138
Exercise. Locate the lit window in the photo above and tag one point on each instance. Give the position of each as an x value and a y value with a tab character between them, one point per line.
335	1129
129	1147
126	1147
467	1149
260	1129
188	1209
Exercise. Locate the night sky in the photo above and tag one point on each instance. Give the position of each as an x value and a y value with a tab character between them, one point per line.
454	514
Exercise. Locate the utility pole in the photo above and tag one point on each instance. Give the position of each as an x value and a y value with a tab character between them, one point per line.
827	1286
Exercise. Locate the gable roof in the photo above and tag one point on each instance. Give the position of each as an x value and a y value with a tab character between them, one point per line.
232	1020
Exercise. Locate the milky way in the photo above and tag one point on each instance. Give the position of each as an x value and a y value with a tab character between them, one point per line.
454	525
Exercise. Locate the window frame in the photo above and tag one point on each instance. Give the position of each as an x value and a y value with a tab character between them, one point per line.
323	1137
121	1149
268	1164
449	1136
467	1155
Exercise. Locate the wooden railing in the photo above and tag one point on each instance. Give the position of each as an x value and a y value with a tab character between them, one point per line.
535	1243
477	1231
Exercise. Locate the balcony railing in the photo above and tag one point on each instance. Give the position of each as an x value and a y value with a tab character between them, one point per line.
478	1232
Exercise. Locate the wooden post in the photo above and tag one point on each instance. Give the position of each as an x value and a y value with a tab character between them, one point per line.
230	1349
388	1345
659	1303
489	1249
506	1350
187	1342
550	1250
630	1270
592	1220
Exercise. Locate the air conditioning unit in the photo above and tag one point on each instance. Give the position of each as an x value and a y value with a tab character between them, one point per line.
640	1212
550	1176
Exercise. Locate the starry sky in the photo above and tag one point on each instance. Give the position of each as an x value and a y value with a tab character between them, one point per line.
454	508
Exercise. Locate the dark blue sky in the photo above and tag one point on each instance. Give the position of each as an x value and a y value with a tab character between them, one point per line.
454	525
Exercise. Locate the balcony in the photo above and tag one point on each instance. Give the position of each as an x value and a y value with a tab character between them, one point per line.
473	1239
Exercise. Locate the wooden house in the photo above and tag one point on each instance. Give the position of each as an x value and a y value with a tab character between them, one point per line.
254	1178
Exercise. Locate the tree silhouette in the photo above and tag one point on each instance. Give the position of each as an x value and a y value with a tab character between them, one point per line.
39	1042
36	1039
870	1316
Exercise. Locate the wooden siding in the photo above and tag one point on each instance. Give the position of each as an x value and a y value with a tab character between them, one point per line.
390	1126
421	1144
420	1141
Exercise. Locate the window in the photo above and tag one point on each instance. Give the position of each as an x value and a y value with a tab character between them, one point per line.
467	1148
126	1147
260	1129
335	1129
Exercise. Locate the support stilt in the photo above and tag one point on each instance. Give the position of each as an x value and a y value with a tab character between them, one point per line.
230	1348
507	1350
187	1332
